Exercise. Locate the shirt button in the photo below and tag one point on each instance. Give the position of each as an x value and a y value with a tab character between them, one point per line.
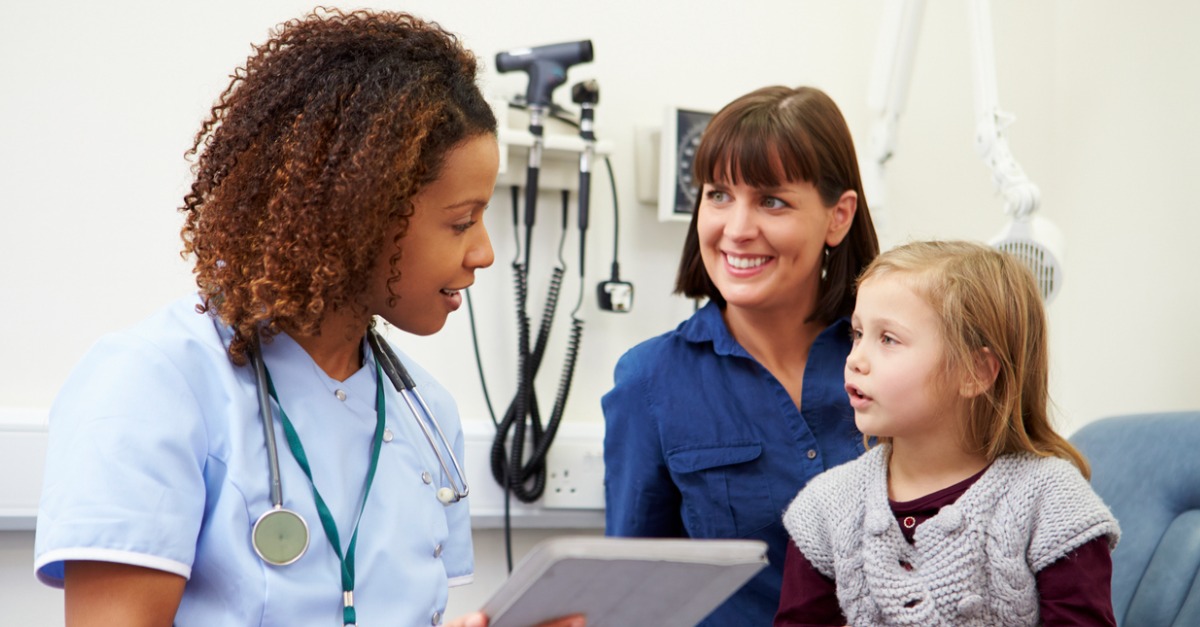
812	453
437	619
427	478
387	435
437	551
340	394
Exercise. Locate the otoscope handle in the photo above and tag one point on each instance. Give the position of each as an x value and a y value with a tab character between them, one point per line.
585	193
587	95
531	193
535	163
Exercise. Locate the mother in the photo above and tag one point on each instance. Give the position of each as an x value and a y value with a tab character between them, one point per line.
714	426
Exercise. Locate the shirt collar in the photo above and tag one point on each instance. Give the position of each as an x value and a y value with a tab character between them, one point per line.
707	325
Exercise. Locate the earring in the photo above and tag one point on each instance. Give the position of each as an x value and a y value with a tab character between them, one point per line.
825	264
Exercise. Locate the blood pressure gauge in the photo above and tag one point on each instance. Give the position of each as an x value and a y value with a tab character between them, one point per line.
681	133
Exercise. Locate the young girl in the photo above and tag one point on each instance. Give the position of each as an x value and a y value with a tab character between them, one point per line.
971	510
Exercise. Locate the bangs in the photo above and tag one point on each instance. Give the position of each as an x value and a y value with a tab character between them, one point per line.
754	150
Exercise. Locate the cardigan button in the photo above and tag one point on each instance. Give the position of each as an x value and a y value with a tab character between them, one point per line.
970	606
877	525
949	518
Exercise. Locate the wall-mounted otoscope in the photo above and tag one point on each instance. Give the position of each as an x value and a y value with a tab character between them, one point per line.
546	66
547	69
586	94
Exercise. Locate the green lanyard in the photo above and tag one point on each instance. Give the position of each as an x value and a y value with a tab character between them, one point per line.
327	522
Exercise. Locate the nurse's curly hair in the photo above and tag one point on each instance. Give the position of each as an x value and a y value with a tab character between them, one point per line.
311	155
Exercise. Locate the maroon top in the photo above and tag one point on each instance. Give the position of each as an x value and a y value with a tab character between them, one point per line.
1075	590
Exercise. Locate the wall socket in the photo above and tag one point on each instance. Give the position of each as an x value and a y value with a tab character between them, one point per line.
574	475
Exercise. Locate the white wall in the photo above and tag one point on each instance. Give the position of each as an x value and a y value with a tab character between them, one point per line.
98	101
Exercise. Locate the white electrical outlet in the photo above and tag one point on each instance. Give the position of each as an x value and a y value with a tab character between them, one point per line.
574	475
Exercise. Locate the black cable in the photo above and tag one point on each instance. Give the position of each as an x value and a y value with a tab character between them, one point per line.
510	466
487	398
615	268
559	114
573	341
515	474
515	193
612	184
492	413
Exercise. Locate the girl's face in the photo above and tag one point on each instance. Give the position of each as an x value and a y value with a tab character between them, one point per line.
445	243
763	247
894	374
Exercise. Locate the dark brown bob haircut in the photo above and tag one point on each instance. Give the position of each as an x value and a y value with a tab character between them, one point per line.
312	155
804	129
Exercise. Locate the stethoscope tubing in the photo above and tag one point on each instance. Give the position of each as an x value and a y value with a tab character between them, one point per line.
407	388
278	513
403	382
268	423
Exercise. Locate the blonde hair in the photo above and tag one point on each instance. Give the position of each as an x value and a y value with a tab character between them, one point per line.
986	299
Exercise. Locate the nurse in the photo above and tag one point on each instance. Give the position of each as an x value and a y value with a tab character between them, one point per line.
342	176
712	425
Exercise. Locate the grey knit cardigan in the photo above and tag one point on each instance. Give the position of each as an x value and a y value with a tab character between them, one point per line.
971	564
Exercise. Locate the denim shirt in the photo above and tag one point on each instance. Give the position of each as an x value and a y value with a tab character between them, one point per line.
702	441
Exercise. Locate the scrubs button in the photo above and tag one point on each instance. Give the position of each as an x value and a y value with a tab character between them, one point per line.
437	619
437	551
387	435
812	453
340	394
427	478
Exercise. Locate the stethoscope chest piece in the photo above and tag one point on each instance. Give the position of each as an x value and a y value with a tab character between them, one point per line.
280	536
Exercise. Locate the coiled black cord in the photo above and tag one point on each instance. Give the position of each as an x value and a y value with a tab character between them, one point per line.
526	478
525	400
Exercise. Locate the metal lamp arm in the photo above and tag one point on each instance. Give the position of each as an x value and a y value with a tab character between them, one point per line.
888	91
1021	196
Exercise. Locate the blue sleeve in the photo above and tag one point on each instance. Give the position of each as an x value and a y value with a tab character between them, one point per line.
641	498
125	465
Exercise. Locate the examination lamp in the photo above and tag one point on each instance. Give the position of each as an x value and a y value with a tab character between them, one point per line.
1031	238
1028	237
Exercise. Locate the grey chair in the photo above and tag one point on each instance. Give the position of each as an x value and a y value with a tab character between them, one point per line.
1146	467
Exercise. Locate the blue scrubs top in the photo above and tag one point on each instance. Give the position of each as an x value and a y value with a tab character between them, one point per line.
703	442
157	459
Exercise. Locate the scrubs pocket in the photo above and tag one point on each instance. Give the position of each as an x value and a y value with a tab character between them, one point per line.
725	494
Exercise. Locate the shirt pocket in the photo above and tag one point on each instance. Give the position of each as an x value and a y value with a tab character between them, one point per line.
725	493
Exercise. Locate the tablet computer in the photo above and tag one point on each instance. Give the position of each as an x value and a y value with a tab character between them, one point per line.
622	582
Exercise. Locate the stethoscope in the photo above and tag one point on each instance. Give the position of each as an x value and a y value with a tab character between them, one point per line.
280	536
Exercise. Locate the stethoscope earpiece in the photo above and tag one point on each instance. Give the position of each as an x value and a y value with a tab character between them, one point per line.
446	495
